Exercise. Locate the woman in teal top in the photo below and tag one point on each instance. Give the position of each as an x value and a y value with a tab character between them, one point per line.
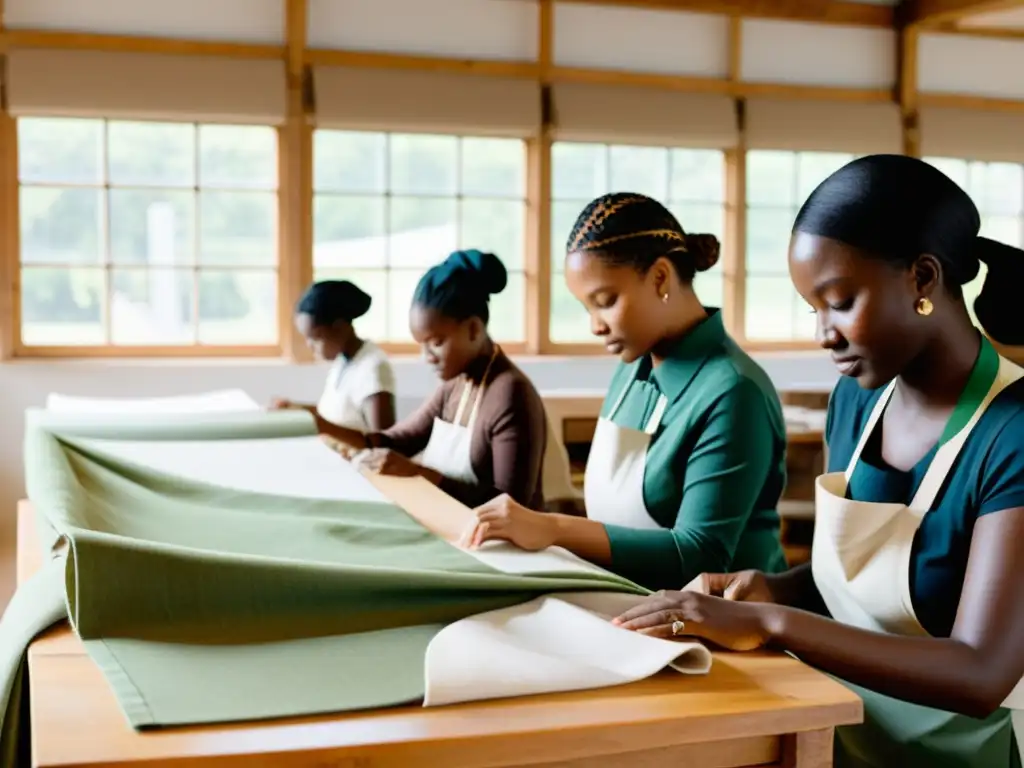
913	595
688	460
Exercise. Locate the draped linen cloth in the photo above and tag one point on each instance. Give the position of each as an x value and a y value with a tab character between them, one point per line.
229	566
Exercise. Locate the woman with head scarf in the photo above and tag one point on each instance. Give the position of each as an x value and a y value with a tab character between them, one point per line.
483	432
688	460
360	388
913	593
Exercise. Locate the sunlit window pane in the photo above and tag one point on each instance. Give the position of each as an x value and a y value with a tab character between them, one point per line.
148	206
778	184
998	191
62	306
689	182
389	206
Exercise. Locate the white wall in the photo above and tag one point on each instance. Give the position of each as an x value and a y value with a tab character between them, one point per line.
26	384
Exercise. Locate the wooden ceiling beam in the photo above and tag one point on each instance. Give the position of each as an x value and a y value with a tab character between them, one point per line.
996	33
90	41
820	11
930	13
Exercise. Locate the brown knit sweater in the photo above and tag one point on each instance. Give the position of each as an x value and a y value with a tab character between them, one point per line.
508	440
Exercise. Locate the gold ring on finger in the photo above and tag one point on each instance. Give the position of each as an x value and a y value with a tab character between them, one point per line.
677	627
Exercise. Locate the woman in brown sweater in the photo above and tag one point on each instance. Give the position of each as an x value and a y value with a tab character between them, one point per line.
483	432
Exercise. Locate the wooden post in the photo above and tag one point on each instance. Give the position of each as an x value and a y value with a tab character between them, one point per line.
295	182
538	209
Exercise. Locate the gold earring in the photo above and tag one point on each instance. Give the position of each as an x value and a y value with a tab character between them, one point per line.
924	306
664	298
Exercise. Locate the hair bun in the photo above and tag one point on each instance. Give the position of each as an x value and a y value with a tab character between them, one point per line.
485	268
331	300
994	305
705	250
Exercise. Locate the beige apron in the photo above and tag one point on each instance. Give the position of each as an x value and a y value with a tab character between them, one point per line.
449	449
861	566
613	485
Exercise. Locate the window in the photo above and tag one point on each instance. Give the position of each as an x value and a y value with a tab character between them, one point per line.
691	183
998	191
778	183
144	233
388	206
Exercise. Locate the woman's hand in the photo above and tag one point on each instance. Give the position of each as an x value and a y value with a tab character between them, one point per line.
503	518
736	626
280	404
384	461
742	586
346	451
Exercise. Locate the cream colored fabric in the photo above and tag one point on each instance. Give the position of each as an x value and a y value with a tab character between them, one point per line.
862	550
614	480
146	86
223	401
562	642
631	115
824	126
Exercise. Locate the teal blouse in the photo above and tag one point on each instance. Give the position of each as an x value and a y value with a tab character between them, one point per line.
716	466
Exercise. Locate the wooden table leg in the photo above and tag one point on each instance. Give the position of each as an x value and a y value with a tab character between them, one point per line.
809	749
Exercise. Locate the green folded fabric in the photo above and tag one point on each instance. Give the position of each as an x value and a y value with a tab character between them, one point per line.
202	603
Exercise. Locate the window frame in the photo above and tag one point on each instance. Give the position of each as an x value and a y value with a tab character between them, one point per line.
726	263
791	208
294	261
14	340
528	270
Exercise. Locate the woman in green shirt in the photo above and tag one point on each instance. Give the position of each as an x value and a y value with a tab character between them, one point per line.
688	460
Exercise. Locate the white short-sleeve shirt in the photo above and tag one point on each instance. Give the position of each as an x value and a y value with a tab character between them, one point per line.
350	383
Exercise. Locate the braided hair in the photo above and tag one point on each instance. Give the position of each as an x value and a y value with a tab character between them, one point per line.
629	229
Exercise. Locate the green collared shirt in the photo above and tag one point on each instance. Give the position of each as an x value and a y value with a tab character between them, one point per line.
715	467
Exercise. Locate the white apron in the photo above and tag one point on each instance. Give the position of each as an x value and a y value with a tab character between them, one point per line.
861	564
449	449
613	485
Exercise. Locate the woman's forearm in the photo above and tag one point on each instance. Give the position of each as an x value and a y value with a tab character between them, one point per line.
583	537
351	437
796	588
935	672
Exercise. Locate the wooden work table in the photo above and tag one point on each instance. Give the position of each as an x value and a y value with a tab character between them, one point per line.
756	709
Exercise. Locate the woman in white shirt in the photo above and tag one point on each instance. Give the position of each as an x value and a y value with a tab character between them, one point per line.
360	389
